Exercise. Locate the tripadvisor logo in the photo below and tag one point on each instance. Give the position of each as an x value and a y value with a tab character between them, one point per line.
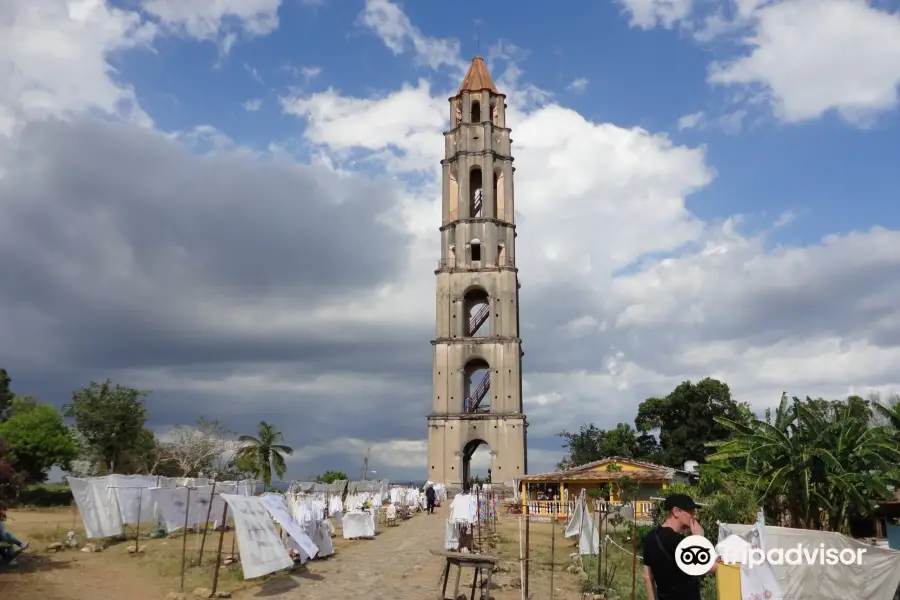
696	555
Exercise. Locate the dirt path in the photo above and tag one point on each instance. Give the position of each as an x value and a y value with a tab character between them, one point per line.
397	565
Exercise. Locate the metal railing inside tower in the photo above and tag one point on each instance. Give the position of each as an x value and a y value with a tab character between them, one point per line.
456	263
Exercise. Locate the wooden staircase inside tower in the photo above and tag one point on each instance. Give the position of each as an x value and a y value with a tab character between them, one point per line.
480	392
476	205
478	319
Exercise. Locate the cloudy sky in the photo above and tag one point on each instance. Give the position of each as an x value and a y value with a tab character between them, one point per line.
236	204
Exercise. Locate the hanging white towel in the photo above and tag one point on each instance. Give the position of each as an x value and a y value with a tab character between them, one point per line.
98	507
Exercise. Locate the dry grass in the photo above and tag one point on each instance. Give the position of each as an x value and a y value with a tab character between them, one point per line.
547	559
616	570
156	569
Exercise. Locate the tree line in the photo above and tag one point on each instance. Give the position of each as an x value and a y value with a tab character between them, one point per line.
810	463
103	430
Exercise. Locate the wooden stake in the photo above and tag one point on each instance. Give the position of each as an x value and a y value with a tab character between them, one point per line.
521	561
137	530
187	510
527	548
598	520
634	553
212	495
553	554
219	552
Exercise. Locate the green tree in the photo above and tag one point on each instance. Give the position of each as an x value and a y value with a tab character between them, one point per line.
265	452
592	443
11	481
686	419
6	395
331	477
816	463
241	466
38	439
886	411
110	419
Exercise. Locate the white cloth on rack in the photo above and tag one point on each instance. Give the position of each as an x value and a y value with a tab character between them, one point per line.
262	551
464	508
322	538
336	507
132	493
195	505
359	524
758	581
582	525
451	536
277	507
97	505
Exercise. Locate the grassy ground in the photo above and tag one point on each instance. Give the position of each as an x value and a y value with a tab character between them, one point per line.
574	575
152	572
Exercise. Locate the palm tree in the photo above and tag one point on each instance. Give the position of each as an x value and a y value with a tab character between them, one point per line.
265	453
887	411
818	463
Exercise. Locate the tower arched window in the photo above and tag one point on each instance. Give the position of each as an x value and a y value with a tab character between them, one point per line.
475	193
475	250
476	111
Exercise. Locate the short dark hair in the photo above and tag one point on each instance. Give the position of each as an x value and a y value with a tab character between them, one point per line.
679	501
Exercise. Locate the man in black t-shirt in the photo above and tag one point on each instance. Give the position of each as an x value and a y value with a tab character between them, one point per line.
663	578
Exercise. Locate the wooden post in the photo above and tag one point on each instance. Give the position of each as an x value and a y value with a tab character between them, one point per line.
137	530
521	561
187	510
527	548
212	495
219	552
634	552
598	520
480	513
552	554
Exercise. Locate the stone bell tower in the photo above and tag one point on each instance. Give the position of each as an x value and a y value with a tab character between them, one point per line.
477	350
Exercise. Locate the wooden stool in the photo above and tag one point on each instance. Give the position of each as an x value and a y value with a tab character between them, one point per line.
478	562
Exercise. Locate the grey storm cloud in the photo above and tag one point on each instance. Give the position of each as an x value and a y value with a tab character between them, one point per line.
115	239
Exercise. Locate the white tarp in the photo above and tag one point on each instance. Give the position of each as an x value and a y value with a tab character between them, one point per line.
757	580
261	550
197	505
133	495
277	507
97	505
582	525
359	524
876	578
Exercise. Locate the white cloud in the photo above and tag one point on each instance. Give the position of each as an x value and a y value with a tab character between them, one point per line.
728	122
408	120
252	105
311	72
848	60
647	14
803	58
216	20
691	121
579	84
53	60
389	23
580	225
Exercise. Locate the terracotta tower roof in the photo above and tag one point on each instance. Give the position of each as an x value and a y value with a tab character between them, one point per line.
478	78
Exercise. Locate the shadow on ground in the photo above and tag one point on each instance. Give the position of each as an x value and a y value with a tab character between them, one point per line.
36	563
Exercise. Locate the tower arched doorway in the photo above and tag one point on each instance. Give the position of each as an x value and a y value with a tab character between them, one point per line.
477	463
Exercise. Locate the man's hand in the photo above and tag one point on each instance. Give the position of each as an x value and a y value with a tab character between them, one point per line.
696	528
